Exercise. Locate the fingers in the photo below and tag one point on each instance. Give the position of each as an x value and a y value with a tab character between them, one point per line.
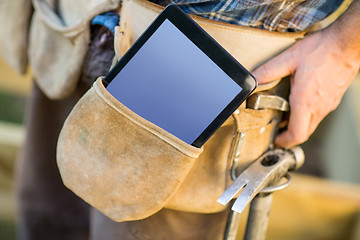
314	122
276	68
302	124
320	77
298	128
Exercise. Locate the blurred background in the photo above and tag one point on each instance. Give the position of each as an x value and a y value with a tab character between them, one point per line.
323	202
14	90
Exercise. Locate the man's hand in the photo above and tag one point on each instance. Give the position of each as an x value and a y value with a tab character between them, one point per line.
322	66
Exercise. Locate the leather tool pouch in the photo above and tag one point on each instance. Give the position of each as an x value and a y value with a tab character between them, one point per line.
48	48
59	38
129	168
117	161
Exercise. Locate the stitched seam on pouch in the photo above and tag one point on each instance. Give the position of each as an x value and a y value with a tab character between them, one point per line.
171	140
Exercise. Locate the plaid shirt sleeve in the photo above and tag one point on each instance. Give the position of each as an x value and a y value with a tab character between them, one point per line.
272	15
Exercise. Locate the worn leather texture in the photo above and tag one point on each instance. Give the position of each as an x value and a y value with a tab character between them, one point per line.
129	168
117	161
59	39
210	174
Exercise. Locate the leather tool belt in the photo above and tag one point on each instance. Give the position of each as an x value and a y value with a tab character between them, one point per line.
129	168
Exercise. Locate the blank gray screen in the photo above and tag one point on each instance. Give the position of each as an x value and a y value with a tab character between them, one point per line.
173	84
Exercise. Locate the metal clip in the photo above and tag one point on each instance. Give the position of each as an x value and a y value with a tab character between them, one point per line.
261	101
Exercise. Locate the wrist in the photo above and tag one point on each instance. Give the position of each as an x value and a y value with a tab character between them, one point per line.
344	33
345	45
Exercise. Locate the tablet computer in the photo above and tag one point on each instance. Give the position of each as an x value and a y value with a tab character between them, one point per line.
179	78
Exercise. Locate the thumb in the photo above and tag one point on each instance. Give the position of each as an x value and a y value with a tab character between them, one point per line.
276	68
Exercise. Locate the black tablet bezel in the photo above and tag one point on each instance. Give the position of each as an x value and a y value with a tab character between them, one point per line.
211	48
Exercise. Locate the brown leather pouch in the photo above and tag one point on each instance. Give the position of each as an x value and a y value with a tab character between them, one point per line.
129	168
117	161
59	40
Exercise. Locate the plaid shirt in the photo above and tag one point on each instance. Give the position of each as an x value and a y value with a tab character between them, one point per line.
272	15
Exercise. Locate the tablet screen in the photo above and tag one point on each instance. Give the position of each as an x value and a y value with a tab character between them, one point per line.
173	84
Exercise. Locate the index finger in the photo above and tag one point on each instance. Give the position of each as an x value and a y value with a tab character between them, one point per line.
276	68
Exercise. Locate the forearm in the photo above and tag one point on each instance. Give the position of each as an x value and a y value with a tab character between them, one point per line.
346	32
